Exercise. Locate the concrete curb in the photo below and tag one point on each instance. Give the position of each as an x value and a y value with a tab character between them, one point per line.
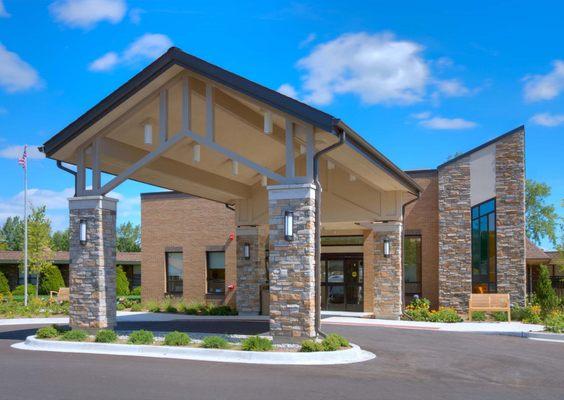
546	336
349	356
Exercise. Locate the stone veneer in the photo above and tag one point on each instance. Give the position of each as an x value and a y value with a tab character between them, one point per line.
510	216
388	274
92	265
292	278
251	273
455	236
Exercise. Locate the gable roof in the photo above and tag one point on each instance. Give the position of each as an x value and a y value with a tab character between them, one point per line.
533	252
484	145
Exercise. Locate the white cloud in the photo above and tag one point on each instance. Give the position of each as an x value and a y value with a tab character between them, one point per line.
135	15
545	87
422	115
104	63
15	74
14	152
548	119
87	13
452	88
308	40
288	90
3	12
147	47
378	68
441	123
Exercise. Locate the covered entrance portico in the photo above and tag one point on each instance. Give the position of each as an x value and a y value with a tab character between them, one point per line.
186	125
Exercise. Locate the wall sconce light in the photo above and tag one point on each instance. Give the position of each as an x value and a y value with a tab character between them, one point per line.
148	133
82	231
267	122
247	251
386	247
196	153
289	225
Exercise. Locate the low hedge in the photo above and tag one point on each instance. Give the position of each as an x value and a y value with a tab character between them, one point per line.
310	346
47	332
214	342
74	336
141	337
256	343
106	336
177	339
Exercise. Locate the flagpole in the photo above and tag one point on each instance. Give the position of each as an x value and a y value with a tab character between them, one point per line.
25	229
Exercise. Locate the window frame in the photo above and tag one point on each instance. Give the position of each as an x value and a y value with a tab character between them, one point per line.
477	278
168	280
208	279
420	264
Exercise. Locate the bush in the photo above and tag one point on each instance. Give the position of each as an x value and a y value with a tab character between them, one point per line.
478	316
499	316
544	293
214	342
256	343
74	336
47	332
4	285
106	336
195	309
136	307
120	307
136	291
418	310
122	284
51	280
220	310
334	342
152	306
62	328
141	337
310	346
19	290
446	314
176	339
555	322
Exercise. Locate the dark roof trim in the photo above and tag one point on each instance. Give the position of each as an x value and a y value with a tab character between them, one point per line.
170	194
420	171
176	56
480	147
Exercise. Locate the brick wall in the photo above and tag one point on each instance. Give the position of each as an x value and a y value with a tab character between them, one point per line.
194	225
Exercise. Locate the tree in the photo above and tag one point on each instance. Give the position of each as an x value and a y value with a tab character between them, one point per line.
542	219
129	237
60	241
122	284
52	280
3	243
544	292
13	233
4	285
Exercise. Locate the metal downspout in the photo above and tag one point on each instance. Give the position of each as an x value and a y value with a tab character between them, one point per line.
70	171
342	139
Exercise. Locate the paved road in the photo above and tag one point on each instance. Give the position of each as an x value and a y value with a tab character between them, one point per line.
410	365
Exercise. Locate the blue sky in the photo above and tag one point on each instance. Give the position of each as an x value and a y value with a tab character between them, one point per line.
419	80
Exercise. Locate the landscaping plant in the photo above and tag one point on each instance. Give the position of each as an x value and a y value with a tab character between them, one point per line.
122	284
310	346
47	332
334	342
176	339
105	336
256	343
52	280
445	314
478	316
19	290
136	291
74	336
555	322
214	342
4	286
499	316
545	294
141	337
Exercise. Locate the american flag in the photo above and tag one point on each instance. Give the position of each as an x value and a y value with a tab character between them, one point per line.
23	159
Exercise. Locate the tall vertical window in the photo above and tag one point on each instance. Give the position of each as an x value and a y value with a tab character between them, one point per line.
484	275
412	266
216	271
174	273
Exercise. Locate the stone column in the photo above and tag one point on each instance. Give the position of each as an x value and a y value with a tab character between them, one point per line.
251	272
92	263
388	273
292	278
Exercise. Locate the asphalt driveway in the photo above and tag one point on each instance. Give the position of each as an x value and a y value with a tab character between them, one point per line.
411	364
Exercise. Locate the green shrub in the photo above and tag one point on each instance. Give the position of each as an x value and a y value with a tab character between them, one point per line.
478	316
170	309
555	322
152	306
214	342
19	290
256	343
4	285
141	337
418	310
61	328
74	336
120	307
529	314
122	284
544	293
220	310
136	307
47	332
136	291
195	309
446	314
334	342
176	339
499	316
51	280
310	346
106	336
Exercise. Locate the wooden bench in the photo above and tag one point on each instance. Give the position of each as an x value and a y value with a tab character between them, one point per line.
489	302
63	294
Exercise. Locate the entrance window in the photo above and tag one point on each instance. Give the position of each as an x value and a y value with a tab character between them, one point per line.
342	277
174	273
412	266
216	271
484	274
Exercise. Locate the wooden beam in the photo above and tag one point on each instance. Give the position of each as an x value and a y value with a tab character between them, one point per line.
290	166
163	116
96	174
210	113
310	150
80	172
186	104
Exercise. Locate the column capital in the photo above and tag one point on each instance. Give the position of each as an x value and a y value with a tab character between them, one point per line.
86	202
293	191
392	226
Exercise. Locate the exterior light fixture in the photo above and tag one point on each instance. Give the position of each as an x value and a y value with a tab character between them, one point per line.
234	167
82	231
247	251
196	151
148	133
387	247
268	122
289	225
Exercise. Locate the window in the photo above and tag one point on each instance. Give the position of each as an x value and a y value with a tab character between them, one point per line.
484	279
352	240
136	276
412	266
216	271
174	273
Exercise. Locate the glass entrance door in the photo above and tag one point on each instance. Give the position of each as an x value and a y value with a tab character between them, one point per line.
342	278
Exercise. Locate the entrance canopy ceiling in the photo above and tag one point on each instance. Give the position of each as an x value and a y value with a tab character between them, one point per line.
209	136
